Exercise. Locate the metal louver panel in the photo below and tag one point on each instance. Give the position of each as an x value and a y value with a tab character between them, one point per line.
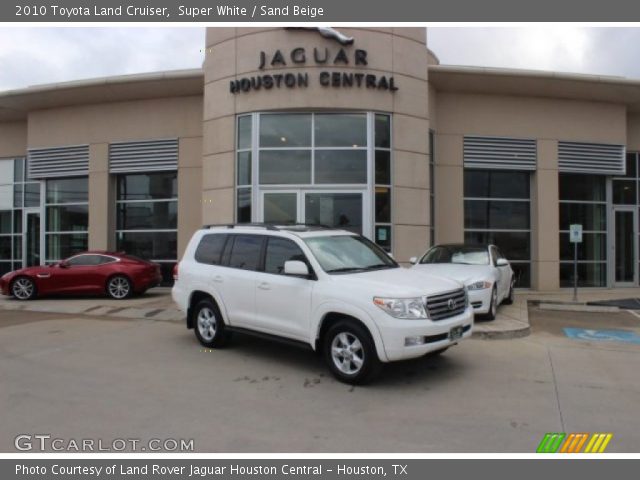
146	156
500	153
599	158
58	162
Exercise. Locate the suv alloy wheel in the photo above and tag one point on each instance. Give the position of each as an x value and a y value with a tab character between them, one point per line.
209	326
350	353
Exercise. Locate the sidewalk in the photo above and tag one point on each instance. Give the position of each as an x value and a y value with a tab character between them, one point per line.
156	304
512	320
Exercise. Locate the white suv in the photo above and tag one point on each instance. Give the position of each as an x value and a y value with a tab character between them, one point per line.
332	290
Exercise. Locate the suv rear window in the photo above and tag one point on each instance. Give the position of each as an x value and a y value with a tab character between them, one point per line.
246	252
210	249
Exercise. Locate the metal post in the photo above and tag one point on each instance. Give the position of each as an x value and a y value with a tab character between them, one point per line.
575	271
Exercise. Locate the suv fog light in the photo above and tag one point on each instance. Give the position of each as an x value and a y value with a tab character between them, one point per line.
413	341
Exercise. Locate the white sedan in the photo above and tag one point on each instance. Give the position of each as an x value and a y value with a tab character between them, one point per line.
483	269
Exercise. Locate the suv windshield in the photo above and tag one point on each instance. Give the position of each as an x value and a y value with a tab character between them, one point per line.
348	253
457	254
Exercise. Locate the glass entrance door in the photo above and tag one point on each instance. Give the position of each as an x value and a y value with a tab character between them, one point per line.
625	247
335	209
340	209
32	239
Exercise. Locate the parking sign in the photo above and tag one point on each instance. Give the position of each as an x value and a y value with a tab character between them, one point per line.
575	233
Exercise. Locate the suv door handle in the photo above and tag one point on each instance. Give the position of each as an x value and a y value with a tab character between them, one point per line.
264	286
218	279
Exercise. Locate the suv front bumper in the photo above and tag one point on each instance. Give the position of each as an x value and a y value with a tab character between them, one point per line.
433	334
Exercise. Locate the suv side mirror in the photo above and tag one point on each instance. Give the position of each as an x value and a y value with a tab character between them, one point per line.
297	268
413	260
502	262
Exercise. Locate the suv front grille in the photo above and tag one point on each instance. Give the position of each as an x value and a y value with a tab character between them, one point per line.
446	305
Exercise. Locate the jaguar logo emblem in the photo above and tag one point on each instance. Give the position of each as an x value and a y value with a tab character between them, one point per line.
451	304
328	32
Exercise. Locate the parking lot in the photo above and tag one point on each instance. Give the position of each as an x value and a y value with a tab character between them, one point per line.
78	376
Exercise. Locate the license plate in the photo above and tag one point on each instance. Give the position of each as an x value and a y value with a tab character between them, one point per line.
455	333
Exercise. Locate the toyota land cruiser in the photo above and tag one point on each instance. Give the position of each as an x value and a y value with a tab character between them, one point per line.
332	290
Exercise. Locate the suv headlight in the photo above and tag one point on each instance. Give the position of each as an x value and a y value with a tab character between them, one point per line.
481	285
405	308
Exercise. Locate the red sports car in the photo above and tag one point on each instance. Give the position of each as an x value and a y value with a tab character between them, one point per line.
116	274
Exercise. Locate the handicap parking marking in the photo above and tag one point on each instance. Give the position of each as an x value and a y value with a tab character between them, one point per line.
624	336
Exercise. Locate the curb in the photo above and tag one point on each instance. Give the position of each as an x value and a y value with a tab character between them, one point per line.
134	313
522	332
577	307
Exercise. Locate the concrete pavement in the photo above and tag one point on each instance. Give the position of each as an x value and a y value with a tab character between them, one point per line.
80	376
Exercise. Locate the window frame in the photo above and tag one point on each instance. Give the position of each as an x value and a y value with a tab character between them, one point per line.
255	190
527	263
604	203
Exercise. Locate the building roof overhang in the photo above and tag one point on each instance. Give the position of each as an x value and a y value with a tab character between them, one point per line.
15	104
533	83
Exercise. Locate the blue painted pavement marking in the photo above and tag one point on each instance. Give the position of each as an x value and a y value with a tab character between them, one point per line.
624	336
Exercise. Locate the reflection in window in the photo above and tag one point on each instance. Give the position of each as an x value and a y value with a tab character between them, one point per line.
285	167
342	210
497	210
66	217
279	251
11	201
340	130
583	201
340	166
147	218
285	130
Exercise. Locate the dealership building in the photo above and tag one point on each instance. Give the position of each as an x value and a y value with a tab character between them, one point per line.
362	129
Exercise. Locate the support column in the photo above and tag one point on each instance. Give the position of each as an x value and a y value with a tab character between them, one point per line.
101	199
449	189
545	237
189	190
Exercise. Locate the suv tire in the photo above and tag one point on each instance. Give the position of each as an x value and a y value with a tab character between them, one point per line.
209	326
350	353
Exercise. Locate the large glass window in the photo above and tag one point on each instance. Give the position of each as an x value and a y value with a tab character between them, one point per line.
432	186
583	201
12	188
327	152
497	210
626	191
147	218
383	181
66	217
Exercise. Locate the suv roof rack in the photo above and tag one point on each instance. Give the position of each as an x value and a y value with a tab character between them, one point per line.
271	226
268	226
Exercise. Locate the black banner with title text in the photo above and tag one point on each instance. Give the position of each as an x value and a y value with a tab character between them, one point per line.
318	11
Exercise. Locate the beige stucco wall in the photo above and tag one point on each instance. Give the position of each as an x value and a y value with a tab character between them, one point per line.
633	131
13	139
114	122
531	117
234	53
547	121
101	124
